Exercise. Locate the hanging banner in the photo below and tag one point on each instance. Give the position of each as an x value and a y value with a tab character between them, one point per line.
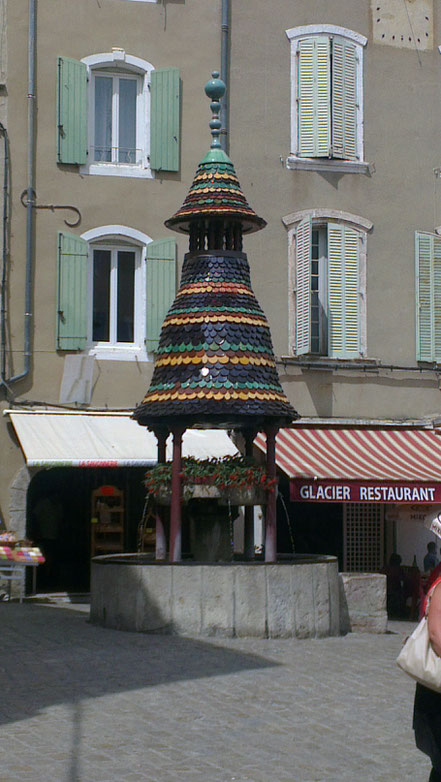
309	490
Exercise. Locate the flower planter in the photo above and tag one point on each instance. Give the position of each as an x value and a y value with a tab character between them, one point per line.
235	480
193	492
243	495
240	495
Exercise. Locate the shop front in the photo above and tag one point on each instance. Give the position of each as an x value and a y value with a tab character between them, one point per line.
81	491
380	489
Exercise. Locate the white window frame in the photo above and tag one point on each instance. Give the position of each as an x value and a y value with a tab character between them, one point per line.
321	217
294	161
115	63
123	238
140	146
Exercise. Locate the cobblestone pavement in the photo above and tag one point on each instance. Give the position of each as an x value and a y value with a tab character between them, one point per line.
80	703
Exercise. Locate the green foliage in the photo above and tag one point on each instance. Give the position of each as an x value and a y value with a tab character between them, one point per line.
227	473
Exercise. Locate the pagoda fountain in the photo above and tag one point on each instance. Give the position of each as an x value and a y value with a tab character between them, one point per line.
215	366
215	369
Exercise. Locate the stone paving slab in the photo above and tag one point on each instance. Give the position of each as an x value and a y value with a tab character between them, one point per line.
80	703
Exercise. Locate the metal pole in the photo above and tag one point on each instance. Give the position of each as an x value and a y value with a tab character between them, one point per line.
30	194
4	251
225	76
175	509
161	542
271	507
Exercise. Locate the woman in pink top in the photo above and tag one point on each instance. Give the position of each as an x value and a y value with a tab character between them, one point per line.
427	707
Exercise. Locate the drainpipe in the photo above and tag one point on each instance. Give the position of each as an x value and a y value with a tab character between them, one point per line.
4	133
30	196
225	63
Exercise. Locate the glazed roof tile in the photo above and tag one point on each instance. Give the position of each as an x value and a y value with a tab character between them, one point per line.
215	194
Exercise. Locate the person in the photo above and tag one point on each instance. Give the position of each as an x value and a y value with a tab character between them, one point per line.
430	560
427	706
397	587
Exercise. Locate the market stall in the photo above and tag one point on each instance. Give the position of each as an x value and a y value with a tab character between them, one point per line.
15	557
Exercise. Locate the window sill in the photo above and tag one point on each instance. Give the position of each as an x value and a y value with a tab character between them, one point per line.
108	169
328	363
294	163
118	354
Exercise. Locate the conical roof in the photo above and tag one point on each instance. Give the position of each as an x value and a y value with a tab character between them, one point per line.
215	364
215	194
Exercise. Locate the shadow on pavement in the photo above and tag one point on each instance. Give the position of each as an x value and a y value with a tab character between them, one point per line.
52	655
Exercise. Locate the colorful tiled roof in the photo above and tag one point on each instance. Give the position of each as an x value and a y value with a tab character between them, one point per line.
215	362
216	193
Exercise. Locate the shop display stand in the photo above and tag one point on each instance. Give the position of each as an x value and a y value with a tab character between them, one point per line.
107	521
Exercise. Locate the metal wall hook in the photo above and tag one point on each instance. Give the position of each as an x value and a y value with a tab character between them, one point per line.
25	202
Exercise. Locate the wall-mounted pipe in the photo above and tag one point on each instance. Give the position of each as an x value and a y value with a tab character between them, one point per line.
225	75
30	197
5	253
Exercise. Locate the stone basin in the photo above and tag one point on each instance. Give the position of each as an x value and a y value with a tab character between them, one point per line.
296	597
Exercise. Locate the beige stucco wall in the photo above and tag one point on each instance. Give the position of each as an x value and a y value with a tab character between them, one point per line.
163	35
402	120
401	123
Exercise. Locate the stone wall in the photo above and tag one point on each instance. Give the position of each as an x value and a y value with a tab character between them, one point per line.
245	600
363	603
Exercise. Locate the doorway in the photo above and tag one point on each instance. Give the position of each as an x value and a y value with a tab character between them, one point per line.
59	520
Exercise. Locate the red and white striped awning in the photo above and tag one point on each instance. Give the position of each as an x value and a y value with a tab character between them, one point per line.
358	453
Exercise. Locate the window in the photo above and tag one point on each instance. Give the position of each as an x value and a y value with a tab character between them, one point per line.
115	303
428	296
327	99
117	103
115	286
319	290
328	284
117	115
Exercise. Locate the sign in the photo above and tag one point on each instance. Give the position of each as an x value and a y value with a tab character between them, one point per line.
427	515
422	514
309	490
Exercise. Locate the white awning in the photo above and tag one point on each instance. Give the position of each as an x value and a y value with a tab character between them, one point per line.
80	439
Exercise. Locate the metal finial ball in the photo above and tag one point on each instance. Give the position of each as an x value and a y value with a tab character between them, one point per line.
215	88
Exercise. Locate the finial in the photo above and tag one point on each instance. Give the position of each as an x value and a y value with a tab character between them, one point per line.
215	89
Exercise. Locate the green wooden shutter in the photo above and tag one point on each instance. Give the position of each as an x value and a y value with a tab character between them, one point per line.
72	111
344	99
303	287
343	292
165	119
314	97
161	287
437	298
428	296
72	299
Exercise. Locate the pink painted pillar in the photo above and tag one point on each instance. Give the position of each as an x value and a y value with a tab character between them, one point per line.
175	509
271	506
161	543
249	435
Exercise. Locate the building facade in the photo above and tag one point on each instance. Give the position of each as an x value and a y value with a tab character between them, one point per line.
332	113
